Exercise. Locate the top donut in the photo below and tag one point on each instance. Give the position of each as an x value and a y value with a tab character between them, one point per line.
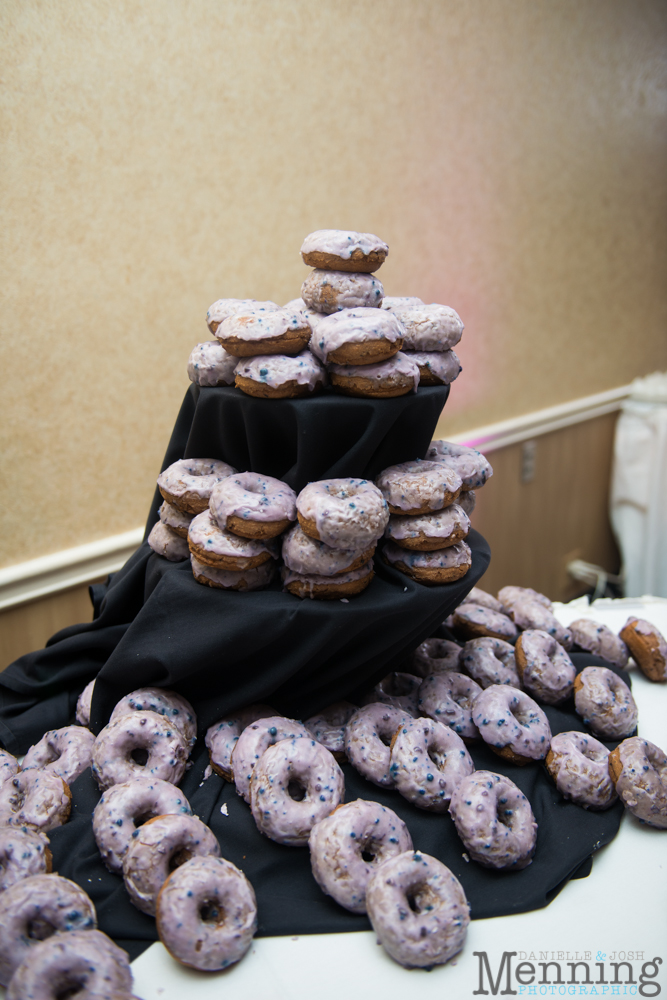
342	250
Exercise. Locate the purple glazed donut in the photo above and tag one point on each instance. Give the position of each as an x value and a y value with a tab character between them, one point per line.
368	735
436	367
418	910
348	846
605	703
187	483
175	518
23	852
332	291
547	672
308	557
294	785
165	542
429	532
327	588
396	689
222	549
221	309
221	737
512	724
210	364
509	596
124	807
449	698
206	914
638	769
428	760
35	798
474	621
355	327
174	707
592	637
233	579
490	661
9	766
157	848
418	487
435	656
343	513
252	499
480	597
430	327
255	739
83	704
35	908
579	765
85	964
470	464
65	752
328	726
123	743
534	616
494	820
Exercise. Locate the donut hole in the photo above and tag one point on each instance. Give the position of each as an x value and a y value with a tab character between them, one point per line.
211	912
386	736
179	857
51	754
421	898
437	757
396	685
40	929
367	856
69	985
521	714
296	790
503	814
139	756
144	818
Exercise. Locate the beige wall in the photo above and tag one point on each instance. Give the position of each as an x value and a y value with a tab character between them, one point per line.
160	154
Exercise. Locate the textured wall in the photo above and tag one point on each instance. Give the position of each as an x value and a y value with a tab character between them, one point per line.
161	155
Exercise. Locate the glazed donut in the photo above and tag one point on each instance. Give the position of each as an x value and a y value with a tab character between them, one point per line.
430	327
418	910
254	741
546	671
427	532
221	737
86	964
187	484
306	556
276	376
65	752
530	615
331	291
348	846
436	368
230	579
253	332
157	848
221	549
368	735
512	724
328	727
174	707
357	337
206	914
470	464
480	597
342	513
35	908
592	637
210	364
123	743
392	302
494	820
23	852
490	661
647	646
9	766
395	377
579	766
223	308
175	519
605	703
474	621
294	785
509	596
432	568
638	769
418	487
435	656
449	698
328	588
83	704
35	798
253	506
167	543
467	501
344	250
123	808
398	690
428	760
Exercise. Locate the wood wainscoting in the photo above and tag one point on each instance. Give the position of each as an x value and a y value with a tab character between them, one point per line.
28	626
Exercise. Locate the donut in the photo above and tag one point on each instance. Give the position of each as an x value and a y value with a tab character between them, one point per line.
328	727
294	785
426	532
435	656
251	332
344	250
638	769
436	368
512	724
139	744
368	735
605	703
35	908
36	798
397	689
468	463
85	964
449	698
230	579
167	543
473	621
223	308
432	327
579	766
490	661
428	760
23	852
175	519
342	513
392	302
83	704
9	766
477	596
509	596
546	671
65	752
357	337
305	555
206	914
418	910
592	637
210	364
221	737
187	484
253	506
123	808
328	588
647	646
350	844
276	376
312	316
331	291
159	847
467	501
174	707
222	549
254	741
418	487
494	820
432	568
531	615
386	380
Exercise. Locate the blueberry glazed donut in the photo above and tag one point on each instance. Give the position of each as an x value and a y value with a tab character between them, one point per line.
579	766
222	736
23	852
65	752
395	377
357	337
430	327
223	308
593	637
167	543
344	250
494	820
330	291
398	689
175	519
174	707
209	364
435	656
638	769
428	760
328	588
474	621
470	464
252	332
276	376
342	513
328	727
648	647
233	579
418	487
532	615
368	736
83	704
122	744
449	698
9	766
605	703
547	672
427	532
253	506
37	799
85	964
490	661
431	568
436	367
512	724
303	554
187	484
254	741
222	549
